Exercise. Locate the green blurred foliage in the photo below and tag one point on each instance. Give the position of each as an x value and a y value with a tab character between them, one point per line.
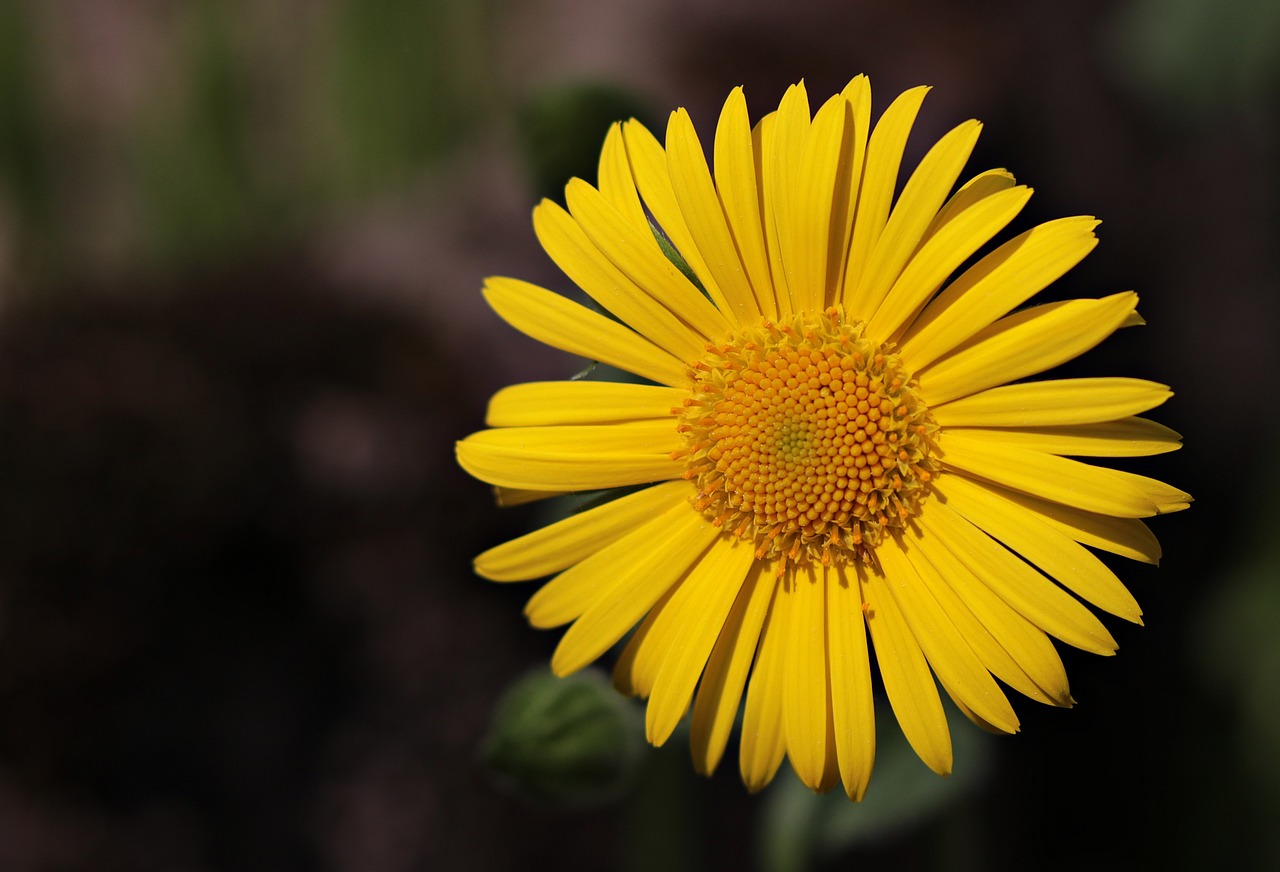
561	128
249	136
1205	56
800	829
25	167
1239	659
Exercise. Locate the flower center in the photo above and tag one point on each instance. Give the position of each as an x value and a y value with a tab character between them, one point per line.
807	439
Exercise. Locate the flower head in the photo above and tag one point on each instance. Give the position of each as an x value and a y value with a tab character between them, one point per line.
838	445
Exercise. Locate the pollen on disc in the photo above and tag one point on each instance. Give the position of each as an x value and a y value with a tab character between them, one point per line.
808	439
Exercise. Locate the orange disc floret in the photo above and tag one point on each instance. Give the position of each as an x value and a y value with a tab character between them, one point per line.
808	439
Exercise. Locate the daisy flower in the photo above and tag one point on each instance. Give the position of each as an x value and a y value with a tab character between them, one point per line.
836	445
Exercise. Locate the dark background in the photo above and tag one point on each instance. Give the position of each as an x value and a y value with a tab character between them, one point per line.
241	246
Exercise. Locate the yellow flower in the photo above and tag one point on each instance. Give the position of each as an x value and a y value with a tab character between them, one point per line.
828	434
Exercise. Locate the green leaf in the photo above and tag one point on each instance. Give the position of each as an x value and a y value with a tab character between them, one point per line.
801	828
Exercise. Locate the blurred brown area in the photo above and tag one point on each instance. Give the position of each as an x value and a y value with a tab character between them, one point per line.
240	252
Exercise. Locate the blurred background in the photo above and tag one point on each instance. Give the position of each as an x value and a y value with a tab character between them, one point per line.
241	247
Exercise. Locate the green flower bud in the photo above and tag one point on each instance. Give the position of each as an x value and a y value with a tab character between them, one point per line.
567	742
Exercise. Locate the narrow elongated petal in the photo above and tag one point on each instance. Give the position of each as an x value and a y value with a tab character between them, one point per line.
764	742
575	457
633	249
1054	552
948	652
773	197
615	180
696	194
806	239
941	255
907	680
852	706
1128	437
632	593
1053	403
568	595
1028	647
1127	537
636	667
589	268
653	181
720	692
971	193
995	285
1088	487
924	193
1024	344
848	185
739	187
788	130
1039	600
580	402
1015	652
562	323
506	497
807	691
879	178
706	597
567	542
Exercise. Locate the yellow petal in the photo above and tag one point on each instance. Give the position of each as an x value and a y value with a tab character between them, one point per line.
848	184
634	590
716	706
587	266
807	238
535	404
696	194
1088	487
641	645
1053	551
852	706
993	656
880	177
980	187
632	248
616	183
1023	344
1127	537
1038	599
907	680
941	255
649	170
700	607
1053	403
1128	437
916	208
573	457
568	595
577	537
739	189
763	741
806	691
1166	497
781	154
948	652
774	180
1009	276
506	497
1032	666
561	323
